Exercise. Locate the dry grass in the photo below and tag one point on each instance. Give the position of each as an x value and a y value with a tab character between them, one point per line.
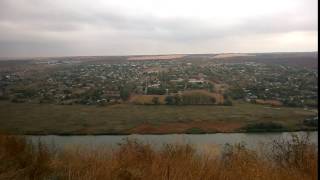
217	96
19	159
269	102
28	118
146	99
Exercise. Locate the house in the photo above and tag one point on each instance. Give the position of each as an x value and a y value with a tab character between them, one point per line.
177	80
157	85
196	81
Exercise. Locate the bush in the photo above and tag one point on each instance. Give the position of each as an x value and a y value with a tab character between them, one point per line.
236	93
4	97
173	100
297	154
25	93
227	102
265	127
197	98
124	93
169	100
19	159
156	91
17	100
195	130
312	122
155	100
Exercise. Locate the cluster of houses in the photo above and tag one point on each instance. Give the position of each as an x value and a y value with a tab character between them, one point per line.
92	83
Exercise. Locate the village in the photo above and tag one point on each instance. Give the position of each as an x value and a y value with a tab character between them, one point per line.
101	83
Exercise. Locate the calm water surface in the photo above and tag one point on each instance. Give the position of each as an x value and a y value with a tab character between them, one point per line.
251	140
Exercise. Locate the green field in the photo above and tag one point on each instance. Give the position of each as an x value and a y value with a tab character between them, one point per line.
24	118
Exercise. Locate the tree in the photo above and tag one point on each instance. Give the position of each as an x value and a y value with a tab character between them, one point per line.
227	102
210	87
237	93
156	91
213	100
169	100
155	100
177	99
124	93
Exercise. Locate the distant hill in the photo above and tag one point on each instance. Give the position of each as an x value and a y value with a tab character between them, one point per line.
156	57
297	59
305	59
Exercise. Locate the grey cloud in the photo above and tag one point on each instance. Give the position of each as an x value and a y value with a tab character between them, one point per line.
41	25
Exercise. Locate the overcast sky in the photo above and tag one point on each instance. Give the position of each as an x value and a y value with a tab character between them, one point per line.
124	27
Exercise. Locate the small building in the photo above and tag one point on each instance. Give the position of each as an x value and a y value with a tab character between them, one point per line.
196	81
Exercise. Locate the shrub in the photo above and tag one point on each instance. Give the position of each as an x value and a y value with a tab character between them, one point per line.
265	127
169	100
197	98
19	159
299	154
227	102
195	130
155	100
312	122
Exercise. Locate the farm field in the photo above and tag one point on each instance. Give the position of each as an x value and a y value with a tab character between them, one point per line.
26	118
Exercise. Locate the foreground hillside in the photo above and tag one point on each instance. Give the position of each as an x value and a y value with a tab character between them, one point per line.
27	118
289	160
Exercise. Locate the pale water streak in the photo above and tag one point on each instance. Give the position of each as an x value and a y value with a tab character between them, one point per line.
199	141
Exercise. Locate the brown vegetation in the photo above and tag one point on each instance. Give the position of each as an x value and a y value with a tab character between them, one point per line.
269	102
202	97
19	159
146	99
28	118
183	127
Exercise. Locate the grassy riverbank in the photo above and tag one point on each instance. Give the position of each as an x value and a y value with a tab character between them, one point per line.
289	160
26	118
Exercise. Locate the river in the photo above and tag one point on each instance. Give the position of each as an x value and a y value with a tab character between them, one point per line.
199	141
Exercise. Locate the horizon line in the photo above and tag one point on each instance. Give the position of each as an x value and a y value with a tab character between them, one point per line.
129	55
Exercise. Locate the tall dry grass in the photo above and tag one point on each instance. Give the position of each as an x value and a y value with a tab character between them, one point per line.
19	159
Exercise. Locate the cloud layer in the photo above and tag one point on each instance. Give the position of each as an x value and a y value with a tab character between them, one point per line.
83	27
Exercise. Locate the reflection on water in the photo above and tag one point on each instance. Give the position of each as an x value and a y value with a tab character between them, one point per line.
200	141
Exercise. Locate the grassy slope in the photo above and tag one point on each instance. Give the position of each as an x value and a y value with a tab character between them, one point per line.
77	119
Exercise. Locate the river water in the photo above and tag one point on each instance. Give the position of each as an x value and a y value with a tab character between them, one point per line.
199	141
